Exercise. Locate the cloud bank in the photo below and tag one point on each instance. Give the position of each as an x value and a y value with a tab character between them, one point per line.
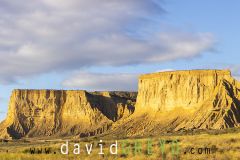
57	35
102	82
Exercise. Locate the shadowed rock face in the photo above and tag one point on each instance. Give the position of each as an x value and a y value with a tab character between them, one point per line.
61	113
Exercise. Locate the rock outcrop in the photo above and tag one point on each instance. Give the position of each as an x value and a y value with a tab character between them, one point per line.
174	101
34	113
196	99
166	102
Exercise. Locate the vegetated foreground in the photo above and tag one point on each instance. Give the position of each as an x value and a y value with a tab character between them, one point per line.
217	146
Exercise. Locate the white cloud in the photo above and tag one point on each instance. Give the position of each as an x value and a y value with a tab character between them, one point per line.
51	35
102	82
237	78
235	70
165	70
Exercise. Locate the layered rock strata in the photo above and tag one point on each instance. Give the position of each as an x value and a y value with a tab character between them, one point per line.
166	102
196	99
34	113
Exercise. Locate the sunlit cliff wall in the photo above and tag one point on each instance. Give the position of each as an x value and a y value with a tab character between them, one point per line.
211	95
59	112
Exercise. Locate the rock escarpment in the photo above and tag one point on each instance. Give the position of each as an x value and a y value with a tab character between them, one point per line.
166	102
179	101
197	99
61	113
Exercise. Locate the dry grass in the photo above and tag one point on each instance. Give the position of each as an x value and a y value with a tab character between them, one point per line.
222	146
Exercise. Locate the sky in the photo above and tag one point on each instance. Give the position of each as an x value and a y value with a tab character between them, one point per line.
105	45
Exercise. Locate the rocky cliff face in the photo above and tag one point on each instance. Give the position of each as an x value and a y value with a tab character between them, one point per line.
183	100
166	102
168	90
60	113
190	99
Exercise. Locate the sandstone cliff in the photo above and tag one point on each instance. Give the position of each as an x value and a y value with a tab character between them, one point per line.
168	90
190	99
61	113
183	100
166	102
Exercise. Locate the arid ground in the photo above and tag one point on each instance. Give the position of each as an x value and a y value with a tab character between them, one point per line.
224	144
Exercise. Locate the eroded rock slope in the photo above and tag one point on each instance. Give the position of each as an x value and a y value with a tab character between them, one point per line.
166	102
36	113
183	100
